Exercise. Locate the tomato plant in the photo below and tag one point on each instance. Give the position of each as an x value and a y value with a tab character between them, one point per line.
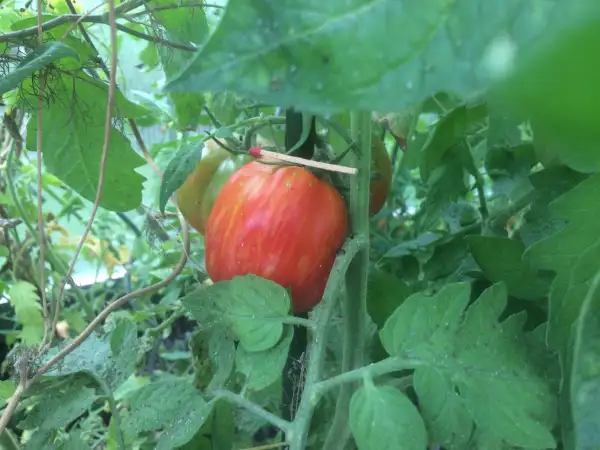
466	317
259	226
198	193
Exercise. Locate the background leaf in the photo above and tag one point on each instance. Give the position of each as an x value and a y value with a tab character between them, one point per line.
24	298
112	357
181	25
41	57
571	253
80	142
585	371
385	293
171	404
501	260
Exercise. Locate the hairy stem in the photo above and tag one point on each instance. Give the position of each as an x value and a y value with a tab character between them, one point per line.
355	309
391	364
240	401
298	433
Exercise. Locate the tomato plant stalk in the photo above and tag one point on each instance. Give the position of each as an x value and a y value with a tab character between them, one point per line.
354	307
348	280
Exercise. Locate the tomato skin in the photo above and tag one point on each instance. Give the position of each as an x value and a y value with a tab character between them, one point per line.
280	223
198	193
381	163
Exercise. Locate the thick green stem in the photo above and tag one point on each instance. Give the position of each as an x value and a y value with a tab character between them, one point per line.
298	432
240	401
383	367
355	309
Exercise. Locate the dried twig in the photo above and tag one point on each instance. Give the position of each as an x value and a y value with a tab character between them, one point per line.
99	19
40	213
268	156
175	5
107	135
23	367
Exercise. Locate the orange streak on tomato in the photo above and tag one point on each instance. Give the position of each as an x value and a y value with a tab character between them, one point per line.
279	223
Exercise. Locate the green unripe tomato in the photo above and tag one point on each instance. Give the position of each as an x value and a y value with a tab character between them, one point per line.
198	193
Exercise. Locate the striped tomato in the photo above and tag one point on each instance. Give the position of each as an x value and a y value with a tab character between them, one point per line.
280	223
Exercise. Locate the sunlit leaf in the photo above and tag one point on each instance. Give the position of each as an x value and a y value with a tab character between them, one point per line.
24	298
74	131
298	55
252	308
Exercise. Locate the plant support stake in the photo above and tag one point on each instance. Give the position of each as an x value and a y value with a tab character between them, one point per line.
268	156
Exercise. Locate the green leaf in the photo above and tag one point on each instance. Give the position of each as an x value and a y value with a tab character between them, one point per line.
383	417
385	292
7	389
585	371
479	360
112	357
420	243
169	404
79	114
41	57
181	25
56	409
503	130
221	349
501	260
447	183
290	55
40	440
179	168
451	129
447	259
24	299
75	441
572	253
252	308
223	426
549	184
565	104
262	369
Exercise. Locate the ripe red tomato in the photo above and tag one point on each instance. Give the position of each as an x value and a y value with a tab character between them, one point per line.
381	163
198	193
280	223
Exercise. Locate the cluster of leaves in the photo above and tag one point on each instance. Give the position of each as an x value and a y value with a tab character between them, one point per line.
482	282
